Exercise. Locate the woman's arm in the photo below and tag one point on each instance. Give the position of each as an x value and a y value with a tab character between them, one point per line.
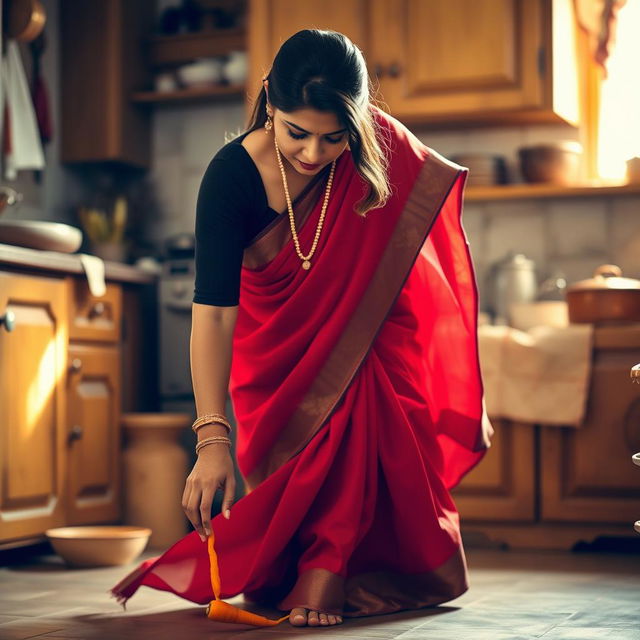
211	351
211	337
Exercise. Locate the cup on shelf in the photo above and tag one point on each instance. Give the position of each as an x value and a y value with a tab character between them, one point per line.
165	82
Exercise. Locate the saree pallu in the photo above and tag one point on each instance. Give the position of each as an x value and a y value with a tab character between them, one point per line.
357	392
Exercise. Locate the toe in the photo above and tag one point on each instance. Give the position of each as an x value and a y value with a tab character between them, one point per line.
324	618
313	619
331	618
298	617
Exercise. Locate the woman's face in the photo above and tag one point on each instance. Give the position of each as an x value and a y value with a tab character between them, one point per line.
309	139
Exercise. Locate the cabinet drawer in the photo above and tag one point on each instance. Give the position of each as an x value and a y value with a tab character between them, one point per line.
92	318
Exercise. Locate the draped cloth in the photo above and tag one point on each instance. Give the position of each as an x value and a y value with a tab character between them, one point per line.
358	398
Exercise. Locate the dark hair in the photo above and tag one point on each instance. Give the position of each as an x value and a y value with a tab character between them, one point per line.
324	70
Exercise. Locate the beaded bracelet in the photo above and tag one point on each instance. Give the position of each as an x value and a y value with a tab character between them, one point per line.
212	440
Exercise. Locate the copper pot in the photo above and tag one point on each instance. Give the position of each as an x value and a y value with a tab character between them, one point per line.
607	298
26	19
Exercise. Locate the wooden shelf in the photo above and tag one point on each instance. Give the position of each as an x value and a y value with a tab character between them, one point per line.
183	48
536	191
211	93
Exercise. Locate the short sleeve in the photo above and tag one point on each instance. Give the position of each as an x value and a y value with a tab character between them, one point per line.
220	234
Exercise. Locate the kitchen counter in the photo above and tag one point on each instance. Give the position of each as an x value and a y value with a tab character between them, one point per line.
34	259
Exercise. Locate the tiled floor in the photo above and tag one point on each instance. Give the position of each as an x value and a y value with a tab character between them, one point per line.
513	596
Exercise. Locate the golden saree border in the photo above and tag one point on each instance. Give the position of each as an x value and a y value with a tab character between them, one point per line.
378	592
432	186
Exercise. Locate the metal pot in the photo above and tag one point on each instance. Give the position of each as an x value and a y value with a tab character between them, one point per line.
607	298
511	280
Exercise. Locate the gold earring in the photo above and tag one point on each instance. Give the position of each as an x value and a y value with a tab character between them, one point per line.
268	125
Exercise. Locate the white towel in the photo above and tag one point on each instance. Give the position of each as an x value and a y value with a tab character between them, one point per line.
26	147
94	269
540	376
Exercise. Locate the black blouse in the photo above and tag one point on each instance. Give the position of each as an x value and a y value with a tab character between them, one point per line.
232	209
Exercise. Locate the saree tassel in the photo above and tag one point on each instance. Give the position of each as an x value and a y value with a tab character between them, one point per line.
222	611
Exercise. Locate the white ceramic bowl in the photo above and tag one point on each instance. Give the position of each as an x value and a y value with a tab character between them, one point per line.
200	73
99	546
41	234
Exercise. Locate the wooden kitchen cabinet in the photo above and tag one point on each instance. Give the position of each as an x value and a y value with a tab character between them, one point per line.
33	360
94	318
102	63
61	371
271	22
554	487
587	474
93	419
503	486
439	63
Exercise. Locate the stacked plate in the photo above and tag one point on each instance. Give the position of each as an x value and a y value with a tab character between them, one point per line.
484	168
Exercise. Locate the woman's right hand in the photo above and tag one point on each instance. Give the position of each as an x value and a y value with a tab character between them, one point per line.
213	470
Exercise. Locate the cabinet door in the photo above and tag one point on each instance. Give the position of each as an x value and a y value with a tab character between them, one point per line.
93	406
502	487
587	473
103	63
469	60
32	405
271	22
94	318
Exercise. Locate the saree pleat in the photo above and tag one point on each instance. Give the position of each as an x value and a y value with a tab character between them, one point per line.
358	396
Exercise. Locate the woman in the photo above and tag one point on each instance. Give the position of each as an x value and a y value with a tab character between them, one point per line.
332	264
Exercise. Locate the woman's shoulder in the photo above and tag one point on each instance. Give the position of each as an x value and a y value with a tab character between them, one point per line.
230	168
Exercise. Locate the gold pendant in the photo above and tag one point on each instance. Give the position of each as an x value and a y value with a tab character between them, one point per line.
306	265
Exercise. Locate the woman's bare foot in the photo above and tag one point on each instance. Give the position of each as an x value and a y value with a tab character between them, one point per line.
301	617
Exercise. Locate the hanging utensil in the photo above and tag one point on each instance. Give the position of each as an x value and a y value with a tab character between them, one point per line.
25	20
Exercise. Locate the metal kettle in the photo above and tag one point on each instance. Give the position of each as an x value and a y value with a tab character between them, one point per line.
511	279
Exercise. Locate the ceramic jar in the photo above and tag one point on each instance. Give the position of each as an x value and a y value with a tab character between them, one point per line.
155	471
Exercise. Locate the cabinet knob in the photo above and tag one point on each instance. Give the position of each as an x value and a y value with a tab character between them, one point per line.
75	433
378	70
76	365
97	310
8	320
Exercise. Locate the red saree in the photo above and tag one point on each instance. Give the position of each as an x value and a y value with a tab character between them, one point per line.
357	392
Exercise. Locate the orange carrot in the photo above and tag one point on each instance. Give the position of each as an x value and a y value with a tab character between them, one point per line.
223	611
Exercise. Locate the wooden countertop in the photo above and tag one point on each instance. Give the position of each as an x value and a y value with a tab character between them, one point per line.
53	261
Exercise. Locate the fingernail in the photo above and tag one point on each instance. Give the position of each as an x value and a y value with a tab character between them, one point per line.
227	514
202	538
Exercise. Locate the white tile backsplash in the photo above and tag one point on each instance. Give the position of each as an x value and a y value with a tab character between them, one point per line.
185	139
206	129
625	235
516	226
577	227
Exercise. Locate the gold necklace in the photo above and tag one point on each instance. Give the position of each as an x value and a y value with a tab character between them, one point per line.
306	260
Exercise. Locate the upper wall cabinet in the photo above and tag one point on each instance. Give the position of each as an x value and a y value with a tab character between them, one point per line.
447	63
102	63
271	22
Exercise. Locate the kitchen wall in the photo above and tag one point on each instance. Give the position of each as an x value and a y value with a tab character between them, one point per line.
574	235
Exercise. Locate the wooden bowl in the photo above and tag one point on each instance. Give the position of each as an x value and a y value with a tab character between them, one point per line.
98	546
556	163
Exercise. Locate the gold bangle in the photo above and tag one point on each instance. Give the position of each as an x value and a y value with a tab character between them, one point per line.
212	440
209	418
204	424
212	416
